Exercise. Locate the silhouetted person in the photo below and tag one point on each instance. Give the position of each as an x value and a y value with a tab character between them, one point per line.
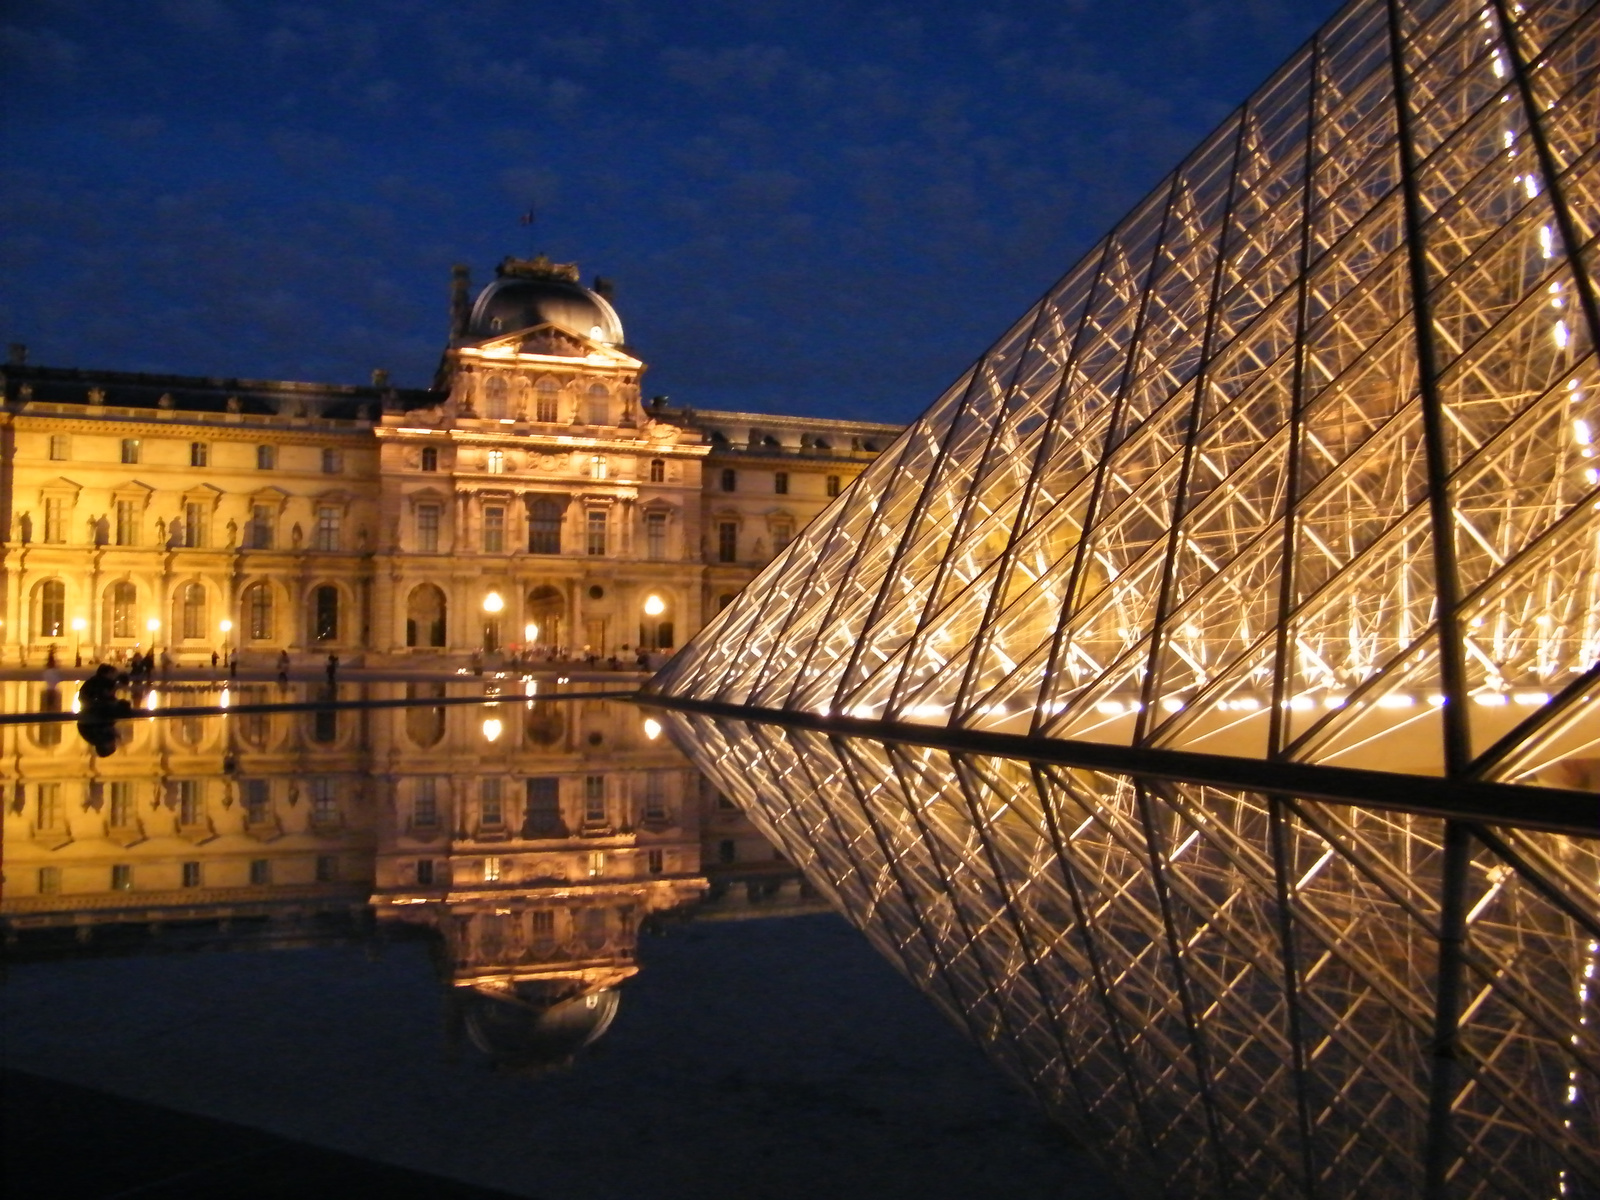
333	669
283	667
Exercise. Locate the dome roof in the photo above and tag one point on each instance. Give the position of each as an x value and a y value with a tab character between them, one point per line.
538	293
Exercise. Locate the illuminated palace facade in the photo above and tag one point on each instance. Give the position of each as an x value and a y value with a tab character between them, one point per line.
1201	700
528	501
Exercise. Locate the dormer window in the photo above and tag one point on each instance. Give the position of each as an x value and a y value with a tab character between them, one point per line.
494	324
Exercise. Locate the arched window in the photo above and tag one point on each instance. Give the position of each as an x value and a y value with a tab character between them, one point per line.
545	400
124	605
258	612
325	613
52	608
599	404
425	612
192	610
494	398
544	527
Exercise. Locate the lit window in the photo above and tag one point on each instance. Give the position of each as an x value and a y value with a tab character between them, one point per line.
199	454
428	528
266	458
497	462
130	450
597	466
430	458
332	462
597	532
491	869
60	447
780	483
545	400
833	485
658	471
494	529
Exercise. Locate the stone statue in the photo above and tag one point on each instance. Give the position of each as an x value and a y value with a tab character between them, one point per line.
233	404
233	534
295	535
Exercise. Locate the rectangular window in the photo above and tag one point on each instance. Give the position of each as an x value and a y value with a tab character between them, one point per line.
425	872
544	527
780	483
594	799
191	874
130	450
597	864
730	479
653	860
494	529
833	485
257	801
195	520
328	517
425	803
60	447
726	851
543	816
266	458
260	530
122	810
49	880
199	454
658	471
332	462
597	531
728	542
49	806
259	606
497	462
491	869
491	813
428	528
598	468
191	802
122	877
655	798
655	535
55	519
260	871
546	398
127	523
782	535
430	458
327	868
324	802
543	924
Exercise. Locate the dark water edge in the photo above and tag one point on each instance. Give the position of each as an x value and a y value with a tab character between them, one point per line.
758	1059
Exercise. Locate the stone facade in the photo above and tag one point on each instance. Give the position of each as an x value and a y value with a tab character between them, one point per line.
529	501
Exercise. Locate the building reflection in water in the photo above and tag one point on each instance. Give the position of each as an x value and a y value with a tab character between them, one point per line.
529	840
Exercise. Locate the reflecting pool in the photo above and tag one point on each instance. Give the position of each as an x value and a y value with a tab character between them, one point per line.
494	930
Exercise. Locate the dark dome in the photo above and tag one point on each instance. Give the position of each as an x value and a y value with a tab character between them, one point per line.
525	1031
515	302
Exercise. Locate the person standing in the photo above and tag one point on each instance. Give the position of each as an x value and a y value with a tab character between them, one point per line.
333	669
283	668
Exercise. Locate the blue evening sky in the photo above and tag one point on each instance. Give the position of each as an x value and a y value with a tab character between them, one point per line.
816	207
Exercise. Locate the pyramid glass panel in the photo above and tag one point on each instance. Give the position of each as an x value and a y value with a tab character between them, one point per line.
1201	702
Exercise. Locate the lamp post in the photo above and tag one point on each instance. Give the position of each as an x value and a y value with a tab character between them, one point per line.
227	638
78	626
492	606
654	606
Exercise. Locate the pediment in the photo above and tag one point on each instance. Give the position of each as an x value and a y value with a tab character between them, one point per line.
61	484
551	341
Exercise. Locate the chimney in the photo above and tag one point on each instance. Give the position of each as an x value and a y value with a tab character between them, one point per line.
604	288
19	354
460	303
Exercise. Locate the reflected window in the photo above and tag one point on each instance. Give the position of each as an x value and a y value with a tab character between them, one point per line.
324	801
425	802
257	801
542	817
52	608
490	813
594	799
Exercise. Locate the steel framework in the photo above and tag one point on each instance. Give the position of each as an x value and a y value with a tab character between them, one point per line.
1296	469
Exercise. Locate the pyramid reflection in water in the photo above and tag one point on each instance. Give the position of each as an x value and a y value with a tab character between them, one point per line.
1296	471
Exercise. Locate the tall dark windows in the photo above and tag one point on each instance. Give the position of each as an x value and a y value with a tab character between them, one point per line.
544	527
325	613
728	541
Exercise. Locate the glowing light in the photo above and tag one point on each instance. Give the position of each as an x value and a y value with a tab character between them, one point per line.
652	728
226	626
1171	704
654	605
1490	699
492	603
1559	333
225	699
152	624
530	688
79	624
1396	700
1581	432
492	728
530	632
1531	699
151	700
1546	243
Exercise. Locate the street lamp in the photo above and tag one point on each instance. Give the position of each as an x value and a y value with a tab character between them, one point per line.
654	605
492	604
78	626
530	633
227	639
492	728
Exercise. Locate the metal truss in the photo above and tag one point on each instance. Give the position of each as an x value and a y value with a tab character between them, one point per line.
1221	992
1284	496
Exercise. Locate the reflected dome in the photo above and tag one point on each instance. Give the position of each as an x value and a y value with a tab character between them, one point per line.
535	1025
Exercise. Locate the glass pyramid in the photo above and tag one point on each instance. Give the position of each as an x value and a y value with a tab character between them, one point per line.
1201	701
